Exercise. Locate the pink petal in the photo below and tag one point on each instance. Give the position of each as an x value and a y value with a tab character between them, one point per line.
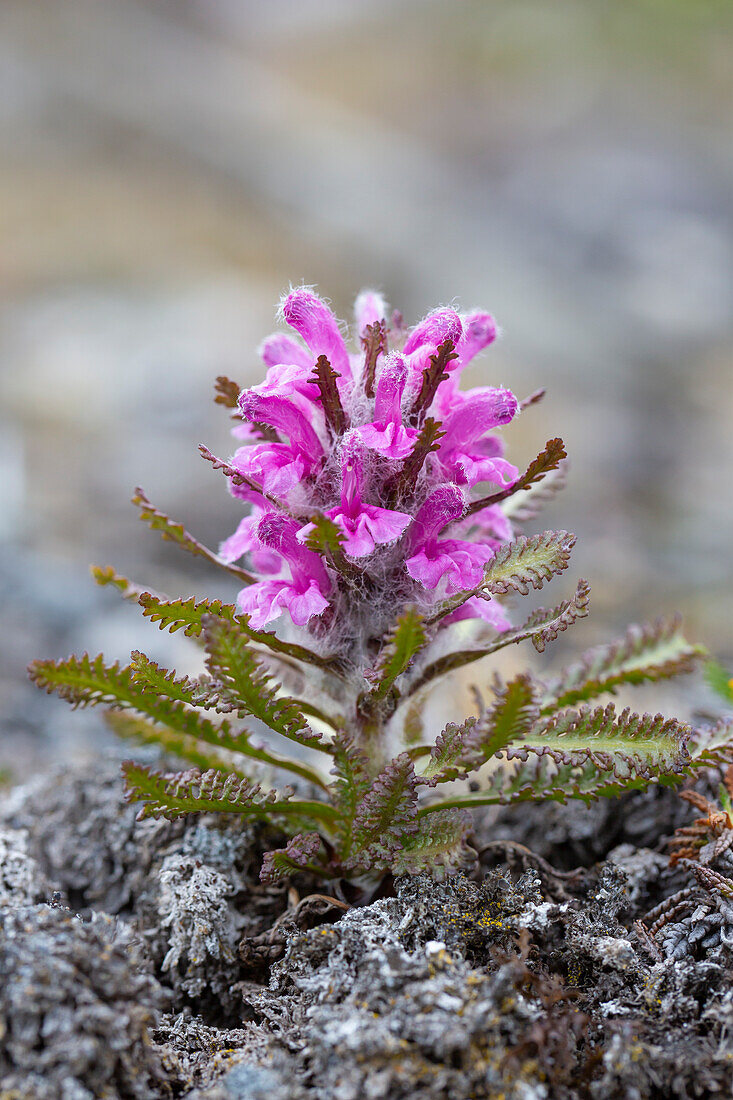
489	610
369	308
287	416
391	439
429	570
274	466
313	320
241	542
438	326
283	380
476	415
304	605
280	348
385	524
262	602
479	330
446	503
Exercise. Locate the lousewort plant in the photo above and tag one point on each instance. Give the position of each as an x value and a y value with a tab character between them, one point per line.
380	538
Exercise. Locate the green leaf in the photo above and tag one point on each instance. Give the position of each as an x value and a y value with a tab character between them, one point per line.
712	746
296	856
645	653
654	741
439	846
188	615
183	614
175	532
403	642
720	680
517	566
352	777
83	681
243	686
149	676
86	681
107	575
541	627
587	755
385	815
212	791
547	460
464	748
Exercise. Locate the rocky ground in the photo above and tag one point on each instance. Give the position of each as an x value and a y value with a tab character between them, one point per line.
145	959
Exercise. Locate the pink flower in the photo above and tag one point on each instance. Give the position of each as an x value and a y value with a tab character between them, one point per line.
464	454
245	541
277	467
436	328
319	448
369	308
456	563
387	433
365	526
303	595
313	320
281	350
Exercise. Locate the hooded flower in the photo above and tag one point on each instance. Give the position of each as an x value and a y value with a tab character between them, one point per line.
303	595
364	526
386	449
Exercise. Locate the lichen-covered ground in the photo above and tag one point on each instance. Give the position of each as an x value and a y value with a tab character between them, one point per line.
144	959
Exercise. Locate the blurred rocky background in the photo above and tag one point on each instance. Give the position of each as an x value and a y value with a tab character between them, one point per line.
168	167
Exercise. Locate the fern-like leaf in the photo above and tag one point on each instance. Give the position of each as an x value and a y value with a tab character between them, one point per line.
176	532
227	392
547	460
517	566
188	615
712	746
541	627
374	342
212	791
527	504
402	644
645	653
432	376
83	681
297	855
107	575
426	443
653	741
244	687
438	846
352	777
461	749
149	676
585	755
183	614
385	815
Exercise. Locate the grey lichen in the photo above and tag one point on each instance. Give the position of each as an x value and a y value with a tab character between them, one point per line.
76	1003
